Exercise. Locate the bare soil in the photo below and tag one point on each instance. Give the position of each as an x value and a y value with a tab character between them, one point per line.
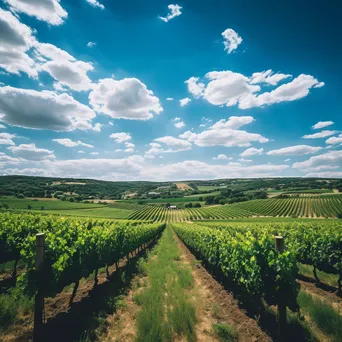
183	186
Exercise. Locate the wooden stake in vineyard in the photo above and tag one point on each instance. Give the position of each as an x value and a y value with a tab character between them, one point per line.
282	320
39	298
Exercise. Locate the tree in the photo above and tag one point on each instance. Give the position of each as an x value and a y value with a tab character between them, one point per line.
197	205
29	207
188	205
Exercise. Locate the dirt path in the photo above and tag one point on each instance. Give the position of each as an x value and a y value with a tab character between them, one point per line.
216	305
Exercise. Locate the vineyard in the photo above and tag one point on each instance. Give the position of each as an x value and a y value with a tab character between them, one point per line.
315	244
322	206
74	248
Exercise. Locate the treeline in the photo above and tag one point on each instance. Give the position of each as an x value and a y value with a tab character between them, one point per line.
27	186
229	196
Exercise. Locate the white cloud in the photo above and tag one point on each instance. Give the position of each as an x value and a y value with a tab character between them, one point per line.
324	174
31	152
91	44
43	110
251	152
7	160
70	74
319	85
331	157
176	119
225	133
121	137
234	122
222	157
322	124
180	124
95	3
6	139
268	77
287	160
334	140
297	150
111	123
16	38
322	134
291	91
174	143
126	99
194	87
52	52
46	10
80	151
69	143
97	127
184	102
169	99
3	127
231	40
242	160
230	88
175	11
94	153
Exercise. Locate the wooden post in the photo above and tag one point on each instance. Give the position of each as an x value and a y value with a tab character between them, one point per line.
39	298
282	320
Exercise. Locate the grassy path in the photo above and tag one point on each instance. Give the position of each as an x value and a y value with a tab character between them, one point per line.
174	299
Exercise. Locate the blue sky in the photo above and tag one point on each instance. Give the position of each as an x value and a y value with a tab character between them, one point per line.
132	90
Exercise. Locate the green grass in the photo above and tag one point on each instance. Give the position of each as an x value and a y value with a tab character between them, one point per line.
225	332
328	320
166	309
101	212
209	187
17	203
330	279
197	196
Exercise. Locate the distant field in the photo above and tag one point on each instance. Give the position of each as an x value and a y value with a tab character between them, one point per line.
193	197
17	203
209	187
183	186
167	200
101	212
315	206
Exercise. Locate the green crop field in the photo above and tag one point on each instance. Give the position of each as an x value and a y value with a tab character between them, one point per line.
48	204
322	206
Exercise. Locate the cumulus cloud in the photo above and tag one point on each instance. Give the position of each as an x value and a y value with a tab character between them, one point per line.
231	40
322	134
16	39
324	174
184	102
171	145
91	44
51	52
225	133
179	124
46	10
43	110
297	150
331	157
195	87
242	160
230	88
6	160
121	137
251	152
69	143
126	99
322	124
94	153
95	3
268	77
169	99
70	74
334	140
6	139
31	152
222	157
175	11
